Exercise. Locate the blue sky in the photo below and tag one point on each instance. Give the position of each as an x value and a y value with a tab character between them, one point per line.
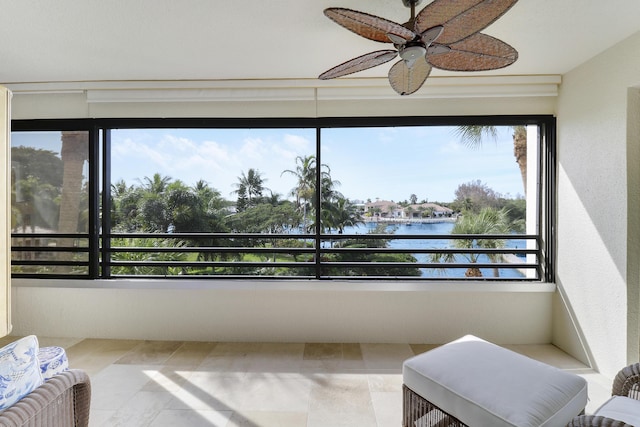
370	163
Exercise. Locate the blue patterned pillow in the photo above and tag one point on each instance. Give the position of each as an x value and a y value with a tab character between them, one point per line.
19	370
53	360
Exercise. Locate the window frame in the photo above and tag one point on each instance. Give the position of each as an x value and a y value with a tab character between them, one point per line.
99	149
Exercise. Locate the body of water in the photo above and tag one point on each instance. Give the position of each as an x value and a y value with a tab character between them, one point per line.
437	228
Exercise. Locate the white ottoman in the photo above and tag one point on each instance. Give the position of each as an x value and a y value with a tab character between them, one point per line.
475	383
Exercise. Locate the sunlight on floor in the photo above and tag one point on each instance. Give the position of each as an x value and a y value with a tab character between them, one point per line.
165	383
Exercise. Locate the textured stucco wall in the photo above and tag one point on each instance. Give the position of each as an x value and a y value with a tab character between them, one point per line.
592	206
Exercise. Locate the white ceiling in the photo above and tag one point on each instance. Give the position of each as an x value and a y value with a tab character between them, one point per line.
97	40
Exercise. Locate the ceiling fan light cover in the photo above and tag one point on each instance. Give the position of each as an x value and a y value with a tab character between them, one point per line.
411	53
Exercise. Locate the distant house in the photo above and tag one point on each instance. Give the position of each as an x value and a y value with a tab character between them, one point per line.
391	210
384	209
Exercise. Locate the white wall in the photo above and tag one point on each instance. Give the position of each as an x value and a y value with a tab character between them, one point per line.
295	311
592	207
286	311
482	95
5	206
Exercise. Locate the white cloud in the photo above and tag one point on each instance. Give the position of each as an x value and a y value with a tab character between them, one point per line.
428	162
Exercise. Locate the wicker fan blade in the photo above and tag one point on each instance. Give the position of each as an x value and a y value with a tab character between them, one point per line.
406	80
437	49
368	26
479	52
360	63
428	36
460	18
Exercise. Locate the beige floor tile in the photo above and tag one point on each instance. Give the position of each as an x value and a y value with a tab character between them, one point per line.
333	366
274	392
58	342
190	354
268	419
150	353
332	351
385	383
343	400
261	384
93	355
386	356
99	417
206	390
189	418
332	357
322	351
140	410
277	357
255	357
388	408
230	357
115	385
252	392
352	351
167	378
235	349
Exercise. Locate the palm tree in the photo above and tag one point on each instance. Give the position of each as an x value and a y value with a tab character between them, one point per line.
156	185
304	190
341	214
250	186
472	136
489	221
74	153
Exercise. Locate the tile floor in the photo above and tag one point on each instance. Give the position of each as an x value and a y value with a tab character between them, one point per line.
165	383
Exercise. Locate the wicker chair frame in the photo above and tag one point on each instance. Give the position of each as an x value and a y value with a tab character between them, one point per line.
417	410
626	383
62	401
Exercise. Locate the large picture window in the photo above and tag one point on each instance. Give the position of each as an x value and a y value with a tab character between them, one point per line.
409	198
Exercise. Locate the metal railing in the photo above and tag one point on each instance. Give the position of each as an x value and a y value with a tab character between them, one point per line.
276	256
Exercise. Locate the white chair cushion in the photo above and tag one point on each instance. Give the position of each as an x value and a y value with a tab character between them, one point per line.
483	384
19	370
621	408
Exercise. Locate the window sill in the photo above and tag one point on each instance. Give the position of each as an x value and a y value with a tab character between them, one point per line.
292	285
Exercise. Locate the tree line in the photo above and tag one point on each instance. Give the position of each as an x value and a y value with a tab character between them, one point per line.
159	204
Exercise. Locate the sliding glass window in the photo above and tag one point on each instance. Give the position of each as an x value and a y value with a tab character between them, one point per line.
49	202
408	198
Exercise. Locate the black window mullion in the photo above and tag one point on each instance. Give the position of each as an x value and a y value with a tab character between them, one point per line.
94	202
318	202
106	204
549	164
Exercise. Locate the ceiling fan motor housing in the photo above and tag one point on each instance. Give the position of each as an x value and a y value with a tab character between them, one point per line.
409	3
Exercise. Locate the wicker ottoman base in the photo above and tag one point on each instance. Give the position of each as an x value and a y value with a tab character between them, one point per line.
419	412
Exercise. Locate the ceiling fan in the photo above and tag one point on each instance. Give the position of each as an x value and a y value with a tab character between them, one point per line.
445	34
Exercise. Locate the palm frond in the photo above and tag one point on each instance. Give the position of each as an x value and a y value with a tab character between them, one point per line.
472	136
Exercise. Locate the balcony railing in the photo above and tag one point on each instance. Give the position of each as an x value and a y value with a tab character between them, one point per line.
275	256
